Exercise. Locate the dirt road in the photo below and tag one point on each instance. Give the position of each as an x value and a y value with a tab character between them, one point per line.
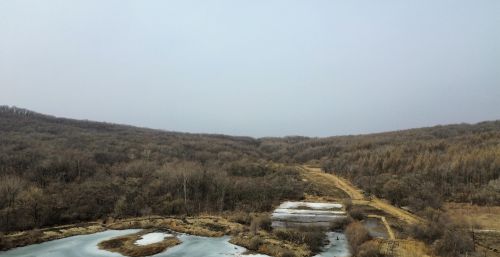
357	196
392	246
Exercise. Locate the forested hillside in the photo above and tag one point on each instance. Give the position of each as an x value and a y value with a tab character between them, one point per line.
57	171
417	167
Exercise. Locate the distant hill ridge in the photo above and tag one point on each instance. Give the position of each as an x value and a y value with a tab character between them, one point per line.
456	128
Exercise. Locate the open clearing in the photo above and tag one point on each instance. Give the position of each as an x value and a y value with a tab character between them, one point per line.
485	217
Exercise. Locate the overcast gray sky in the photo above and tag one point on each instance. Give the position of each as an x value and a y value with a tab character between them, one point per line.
254	67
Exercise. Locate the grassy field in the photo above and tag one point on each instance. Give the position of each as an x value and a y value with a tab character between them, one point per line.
484	217
486	223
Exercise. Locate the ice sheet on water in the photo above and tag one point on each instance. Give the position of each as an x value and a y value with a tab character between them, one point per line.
86	246
337	247
312	212
310	205
307	213
305	217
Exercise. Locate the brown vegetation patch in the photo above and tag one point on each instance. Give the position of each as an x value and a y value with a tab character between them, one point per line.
36	236
125	245
488	242
486	217
211	226
403	247
265	244
260	237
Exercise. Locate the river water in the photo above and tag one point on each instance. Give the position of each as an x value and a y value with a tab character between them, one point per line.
288	214
86	246
293	214
75	246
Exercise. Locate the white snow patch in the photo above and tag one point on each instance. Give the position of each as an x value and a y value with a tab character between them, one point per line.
152	238
317	212
310	205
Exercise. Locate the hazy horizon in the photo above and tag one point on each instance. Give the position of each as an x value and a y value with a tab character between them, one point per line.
254	68
256	137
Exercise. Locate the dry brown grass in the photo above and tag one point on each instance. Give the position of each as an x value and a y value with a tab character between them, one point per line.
404	248
125	245
486	222
490	240
487	217
271	246
211	226
23	238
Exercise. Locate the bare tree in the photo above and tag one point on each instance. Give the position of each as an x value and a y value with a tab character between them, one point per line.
10	187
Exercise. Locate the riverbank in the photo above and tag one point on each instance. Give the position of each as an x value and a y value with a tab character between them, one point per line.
205	226
208	226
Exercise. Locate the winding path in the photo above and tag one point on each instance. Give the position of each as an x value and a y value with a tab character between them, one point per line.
392	246
358	198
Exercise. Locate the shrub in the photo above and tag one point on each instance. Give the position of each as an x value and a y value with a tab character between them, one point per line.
356	234
265	222
369	249
255	243
454	243
356	213
340	224
287	253
347	204
450	238
4	243
241	217
426	232
313	237
262	222
432	230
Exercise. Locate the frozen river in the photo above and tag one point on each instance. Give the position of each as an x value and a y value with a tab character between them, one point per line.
288	213
86	246
293	214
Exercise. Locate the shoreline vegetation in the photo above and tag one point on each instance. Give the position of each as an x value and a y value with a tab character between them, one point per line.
208	226
249	231
252	231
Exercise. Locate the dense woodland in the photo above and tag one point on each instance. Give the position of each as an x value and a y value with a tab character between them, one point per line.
416	168
58	171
